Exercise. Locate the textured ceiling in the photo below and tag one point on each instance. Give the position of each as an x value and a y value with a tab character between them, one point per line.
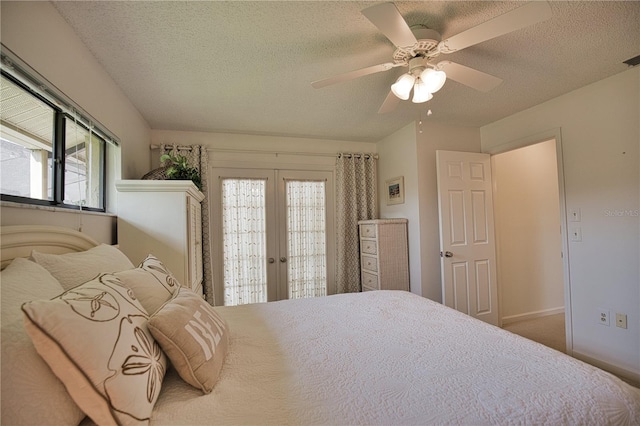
246	66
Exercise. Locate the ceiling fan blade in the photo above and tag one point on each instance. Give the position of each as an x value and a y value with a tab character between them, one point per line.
468	76
529	14
353	74
387	18
389	104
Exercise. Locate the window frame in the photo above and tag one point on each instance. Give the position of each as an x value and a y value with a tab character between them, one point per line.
65	111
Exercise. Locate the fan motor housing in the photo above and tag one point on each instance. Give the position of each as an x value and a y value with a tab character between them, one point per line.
427	41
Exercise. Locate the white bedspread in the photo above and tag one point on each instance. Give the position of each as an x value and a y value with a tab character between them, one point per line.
390	358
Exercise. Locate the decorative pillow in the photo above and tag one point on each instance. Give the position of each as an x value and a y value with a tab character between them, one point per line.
72	269
151	283
193	336
32	394
95	339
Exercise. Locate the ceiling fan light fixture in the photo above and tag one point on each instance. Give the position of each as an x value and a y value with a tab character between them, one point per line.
421	92
433	79
402	87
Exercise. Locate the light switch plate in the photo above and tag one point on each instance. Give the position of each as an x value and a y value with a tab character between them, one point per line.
576	234
575	215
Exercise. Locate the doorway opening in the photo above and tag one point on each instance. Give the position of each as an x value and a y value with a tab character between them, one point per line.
529	216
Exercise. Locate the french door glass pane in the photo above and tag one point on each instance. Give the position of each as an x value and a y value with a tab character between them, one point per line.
244	234
306	238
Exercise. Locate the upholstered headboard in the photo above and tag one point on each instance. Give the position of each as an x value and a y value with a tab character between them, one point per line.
20	240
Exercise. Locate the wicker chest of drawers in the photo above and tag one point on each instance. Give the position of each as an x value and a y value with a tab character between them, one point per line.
384	257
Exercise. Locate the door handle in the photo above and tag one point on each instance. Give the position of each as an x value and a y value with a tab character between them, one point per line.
446	254
283	259
271	260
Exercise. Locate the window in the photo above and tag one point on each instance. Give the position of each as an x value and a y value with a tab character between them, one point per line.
26	139
50	153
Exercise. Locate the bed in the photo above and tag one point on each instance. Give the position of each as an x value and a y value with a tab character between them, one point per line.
372	358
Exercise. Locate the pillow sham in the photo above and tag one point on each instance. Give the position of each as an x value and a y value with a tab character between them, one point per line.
194	337
95	339
32	394
73	269
151	282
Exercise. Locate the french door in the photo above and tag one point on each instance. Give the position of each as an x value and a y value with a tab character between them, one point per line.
273	234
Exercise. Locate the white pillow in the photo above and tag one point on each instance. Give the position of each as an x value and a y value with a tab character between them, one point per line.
95	339
151	282
32	393
73	269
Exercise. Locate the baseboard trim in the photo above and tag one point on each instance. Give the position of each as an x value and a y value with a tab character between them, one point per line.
628	376
532	315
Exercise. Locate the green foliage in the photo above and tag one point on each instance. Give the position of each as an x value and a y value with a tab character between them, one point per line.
179	169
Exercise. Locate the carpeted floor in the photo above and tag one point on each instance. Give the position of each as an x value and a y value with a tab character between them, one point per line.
548	330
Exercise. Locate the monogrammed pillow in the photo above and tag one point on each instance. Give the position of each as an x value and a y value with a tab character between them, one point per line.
94	337
194	337
151	282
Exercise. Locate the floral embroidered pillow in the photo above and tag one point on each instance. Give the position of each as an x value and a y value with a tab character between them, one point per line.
151	282
194	337
94	337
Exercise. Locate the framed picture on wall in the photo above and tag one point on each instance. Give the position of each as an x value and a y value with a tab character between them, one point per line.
395	190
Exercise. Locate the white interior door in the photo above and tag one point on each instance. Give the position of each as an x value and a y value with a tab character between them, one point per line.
467	237
273	235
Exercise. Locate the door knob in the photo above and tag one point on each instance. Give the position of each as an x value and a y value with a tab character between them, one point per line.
271	260
283	259
446	254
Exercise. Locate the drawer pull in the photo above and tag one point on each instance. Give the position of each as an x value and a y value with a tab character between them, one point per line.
368	230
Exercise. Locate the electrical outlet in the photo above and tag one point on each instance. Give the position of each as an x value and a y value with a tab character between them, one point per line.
603	316
621	320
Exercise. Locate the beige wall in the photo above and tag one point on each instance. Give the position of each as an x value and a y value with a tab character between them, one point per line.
398	158
436	137
600	132
528	240
236	148
100	227
412	154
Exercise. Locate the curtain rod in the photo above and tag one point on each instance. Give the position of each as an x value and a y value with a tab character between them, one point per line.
349	155
257	151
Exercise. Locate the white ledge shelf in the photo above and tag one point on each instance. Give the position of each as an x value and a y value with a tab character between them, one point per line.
141	185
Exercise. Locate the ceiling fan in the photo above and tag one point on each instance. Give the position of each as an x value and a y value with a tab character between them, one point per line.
417	48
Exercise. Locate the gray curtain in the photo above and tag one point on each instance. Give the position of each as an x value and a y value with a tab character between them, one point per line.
198	158
356	199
